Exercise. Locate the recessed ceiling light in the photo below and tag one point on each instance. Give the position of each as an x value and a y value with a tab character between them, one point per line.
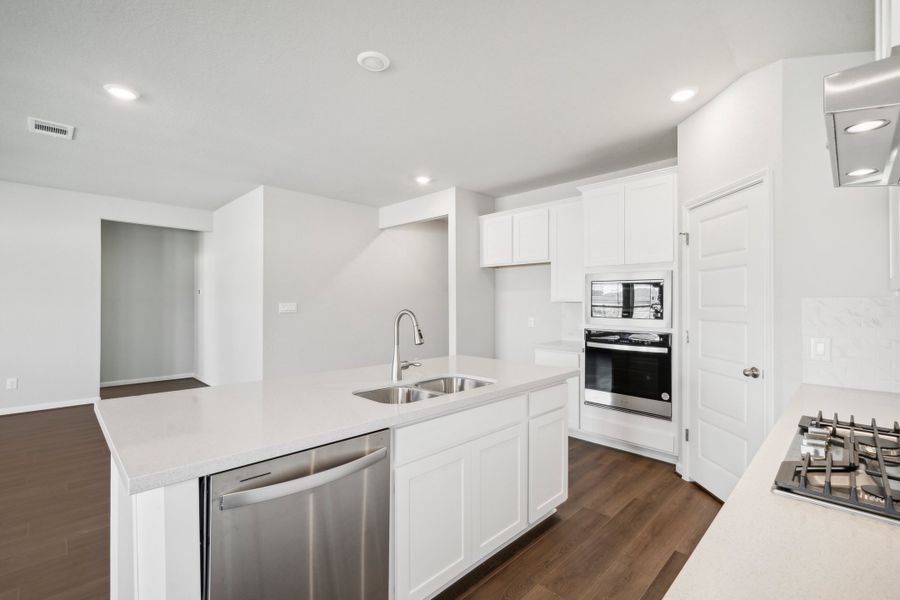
862	172
373	61
423	179
683	95
864	126
121	92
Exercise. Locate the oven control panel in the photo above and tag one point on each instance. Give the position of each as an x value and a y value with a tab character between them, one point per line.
625	338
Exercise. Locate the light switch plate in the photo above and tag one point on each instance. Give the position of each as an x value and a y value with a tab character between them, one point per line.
12	383
531	321
287	307
820	348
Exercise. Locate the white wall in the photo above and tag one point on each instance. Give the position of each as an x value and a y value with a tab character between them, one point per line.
827	242
349	279
50	292
147	302
736	134
230	329
471	287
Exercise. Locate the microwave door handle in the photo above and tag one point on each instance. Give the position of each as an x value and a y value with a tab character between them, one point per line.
645	349
300	484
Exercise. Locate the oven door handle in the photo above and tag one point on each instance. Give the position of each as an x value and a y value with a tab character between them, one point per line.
645	349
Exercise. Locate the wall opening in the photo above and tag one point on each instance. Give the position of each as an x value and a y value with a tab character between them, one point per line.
148	304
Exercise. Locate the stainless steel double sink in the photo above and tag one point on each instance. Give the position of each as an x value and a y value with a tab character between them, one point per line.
420	390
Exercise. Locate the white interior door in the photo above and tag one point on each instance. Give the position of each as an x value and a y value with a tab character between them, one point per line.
726	316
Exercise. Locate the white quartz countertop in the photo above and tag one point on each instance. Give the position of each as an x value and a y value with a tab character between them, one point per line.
764	545
161	439
562	345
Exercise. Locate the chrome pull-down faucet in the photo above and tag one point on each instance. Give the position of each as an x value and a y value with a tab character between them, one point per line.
397	366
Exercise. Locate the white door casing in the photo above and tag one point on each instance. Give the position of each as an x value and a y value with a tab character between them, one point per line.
727	307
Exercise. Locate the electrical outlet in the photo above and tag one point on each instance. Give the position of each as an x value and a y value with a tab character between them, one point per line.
531	321
287	307
12	383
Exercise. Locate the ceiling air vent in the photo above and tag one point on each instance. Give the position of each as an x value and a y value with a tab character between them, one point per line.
50	128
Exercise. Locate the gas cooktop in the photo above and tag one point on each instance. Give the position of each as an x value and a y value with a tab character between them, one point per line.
844	464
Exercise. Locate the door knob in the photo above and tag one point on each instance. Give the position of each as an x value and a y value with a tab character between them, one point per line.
751	372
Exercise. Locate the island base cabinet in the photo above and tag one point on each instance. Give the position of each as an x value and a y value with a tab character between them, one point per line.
431	504
500	506
455	507
548	463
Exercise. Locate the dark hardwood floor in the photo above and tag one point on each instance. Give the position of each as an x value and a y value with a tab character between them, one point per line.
627	529
54	506
138	389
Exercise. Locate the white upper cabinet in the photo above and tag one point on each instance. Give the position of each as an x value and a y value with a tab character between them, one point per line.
566	252
631	221
516	237
649	220
604	213
496	240
531	232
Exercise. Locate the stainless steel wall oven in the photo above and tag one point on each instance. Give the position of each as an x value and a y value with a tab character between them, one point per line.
629	371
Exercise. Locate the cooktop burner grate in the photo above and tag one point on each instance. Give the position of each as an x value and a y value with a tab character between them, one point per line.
846	464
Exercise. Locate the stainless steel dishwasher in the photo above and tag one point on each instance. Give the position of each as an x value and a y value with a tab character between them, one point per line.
310	525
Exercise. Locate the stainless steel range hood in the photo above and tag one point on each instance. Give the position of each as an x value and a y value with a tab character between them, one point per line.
864	99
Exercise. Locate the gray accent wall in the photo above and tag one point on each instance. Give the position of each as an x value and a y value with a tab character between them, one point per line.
148	296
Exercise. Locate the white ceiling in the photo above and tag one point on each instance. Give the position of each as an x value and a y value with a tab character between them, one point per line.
492	95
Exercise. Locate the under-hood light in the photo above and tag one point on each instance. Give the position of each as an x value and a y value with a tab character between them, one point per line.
862	172
864	126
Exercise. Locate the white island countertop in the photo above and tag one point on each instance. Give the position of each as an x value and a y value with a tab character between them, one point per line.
161	439
764	545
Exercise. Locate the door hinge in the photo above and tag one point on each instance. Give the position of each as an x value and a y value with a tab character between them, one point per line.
686	236
687	336
687	435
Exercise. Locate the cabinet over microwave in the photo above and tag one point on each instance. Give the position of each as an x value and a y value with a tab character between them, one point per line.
629	300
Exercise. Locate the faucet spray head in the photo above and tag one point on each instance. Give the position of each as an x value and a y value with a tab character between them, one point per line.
417	334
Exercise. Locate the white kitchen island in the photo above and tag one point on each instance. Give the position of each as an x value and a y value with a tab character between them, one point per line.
163	444
766	545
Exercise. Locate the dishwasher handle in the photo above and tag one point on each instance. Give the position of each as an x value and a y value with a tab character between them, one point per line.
301	484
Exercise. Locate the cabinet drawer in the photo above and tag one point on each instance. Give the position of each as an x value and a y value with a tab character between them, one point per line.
430	437
647	432
548	399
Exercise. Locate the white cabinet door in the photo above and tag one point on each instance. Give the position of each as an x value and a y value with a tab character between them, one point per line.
548	463
603	217
531	231
499	490
496	240
432	522
650	220
567	253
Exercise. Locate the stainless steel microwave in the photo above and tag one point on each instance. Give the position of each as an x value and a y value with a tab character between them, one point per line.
629	300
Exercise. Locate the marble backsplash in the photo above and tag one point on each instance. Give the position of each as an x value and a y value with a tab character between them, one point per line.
864	337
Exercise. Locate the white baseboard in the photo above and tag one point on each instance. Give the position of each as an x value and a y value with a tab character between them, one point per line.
596	438
12	410
104	384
